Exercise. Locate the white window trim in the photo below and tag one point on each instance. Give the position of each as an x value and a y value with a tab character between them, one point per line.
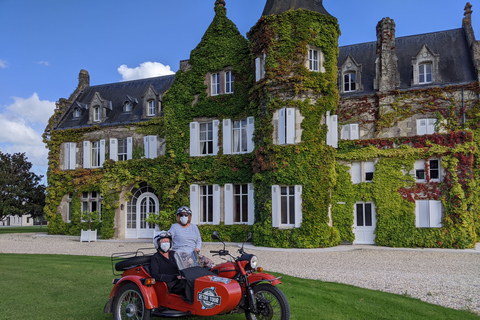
420	165
227	133
276	207
151	110
87	152
350	82
426	126
229	204
286	126
422	71
70	155
350	131
96	114
433	216
314	60
113	148
359	171
195	204
215	84
195	139
229	74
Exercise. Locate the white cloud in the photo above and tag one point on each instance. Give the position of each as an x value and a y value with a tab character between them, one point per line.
45	63
145	70
32	109
3	64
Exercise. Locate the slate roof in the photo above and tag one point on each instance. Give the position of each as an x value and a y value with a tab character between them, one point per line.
455	64
280	6
116	93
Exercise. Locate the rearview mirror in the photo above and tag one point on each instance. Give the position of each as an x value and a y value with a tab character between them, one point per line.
215	235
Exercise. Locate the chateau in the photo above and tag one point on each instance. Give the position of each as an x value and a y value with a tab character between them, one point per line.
283	133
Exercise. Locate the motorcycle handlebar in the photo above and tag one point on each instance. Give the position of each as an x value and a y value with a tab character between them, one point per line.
220	252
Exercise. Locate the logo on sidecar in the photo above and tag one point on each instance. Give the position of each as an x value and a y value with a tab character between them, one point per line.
209	298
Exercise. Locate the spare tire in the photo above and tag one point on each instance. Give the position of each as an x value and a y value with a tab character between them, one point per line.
132	262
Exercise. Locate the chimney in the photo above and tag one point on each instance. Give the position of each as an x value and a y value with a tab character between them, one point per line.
472	42
387	77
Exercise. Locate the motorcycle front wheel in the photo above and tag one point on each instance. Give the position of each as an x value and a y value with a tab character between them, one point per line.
129	304
271	304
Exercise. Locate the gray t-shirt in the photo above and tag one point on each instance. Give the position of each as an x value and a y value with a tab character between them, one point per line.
185	239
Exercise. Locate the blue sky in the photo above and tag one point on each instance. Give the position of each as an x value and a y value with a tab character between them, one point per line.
45	43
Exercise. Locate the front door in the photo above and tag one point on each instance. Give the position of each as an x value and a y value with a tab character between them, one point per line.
364	223
146	204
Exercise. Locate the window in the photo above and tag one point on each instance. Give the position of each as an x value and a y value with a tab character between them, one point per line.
350	131
204	138
77	113
70	155
428	213
96	114
229	82
286	206
127	106
151	108
92	202
425	73
364	215
205	204
93	154
433	170
238	137
239	206
349	82
260	67
362	171
313	60
69	210
215	84
121	149
332	129
426	126
286	126
150	147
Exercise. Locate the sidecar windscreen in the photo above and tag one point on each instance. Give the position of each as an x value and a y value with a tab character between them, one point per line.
185	260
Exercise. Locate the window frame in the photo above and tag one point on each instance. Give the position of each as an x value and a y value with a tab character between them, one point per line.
96	114
350	131
197	207
215	84
424	74
87	202
314	60
278	206
349	81
128	106
433	217
420	168
151	108
229	81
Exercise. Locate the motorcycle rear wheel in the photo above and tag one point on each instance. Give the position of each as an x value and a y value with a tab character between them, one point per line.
271	304
129	304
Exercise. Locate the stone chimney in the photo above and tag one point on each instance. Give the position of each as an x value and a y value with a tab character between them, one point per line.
472	42
387	77
83	82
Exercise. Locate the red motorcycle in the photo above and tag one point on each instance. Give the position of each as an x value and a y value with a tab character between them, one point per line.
235	286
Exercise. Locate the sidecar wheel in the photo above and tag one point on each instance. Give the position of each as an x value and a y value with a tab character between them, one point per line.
129	304
271	304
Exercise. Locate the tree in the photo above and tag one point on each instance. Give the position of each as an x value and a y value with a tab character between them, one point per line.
20	189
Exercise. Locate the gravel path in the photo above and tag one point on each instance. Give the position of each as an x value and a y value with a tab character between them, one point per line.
450	278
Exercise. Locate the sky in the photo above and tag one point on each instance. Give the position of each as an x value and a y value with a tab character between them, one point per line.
45	43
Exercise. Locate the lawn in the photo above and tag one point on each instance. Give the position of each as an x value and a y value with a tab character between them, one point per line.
77	287
34	229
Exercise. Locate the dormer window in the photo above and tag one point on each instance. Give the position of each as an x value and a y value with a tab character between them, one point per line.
215	84
350	75
229	82
77	113
425	73
96	114
127	106
349	82
151	108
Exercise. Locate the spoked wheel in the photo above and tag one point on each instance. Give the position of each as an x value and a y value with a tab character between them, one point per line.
129	304
271	304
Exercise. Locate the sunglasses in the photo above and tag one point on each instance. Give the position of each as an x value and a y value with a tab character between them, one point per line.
184	215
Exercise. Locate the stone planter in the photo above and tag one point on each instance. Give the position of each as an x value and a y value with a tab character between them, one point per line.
88	235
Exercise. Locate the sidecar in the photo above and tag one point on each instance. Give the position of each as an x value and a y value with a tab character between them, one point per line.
139	296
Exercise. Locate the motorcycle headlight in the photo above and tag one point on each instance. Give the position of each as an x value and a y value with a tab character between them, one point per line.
253	262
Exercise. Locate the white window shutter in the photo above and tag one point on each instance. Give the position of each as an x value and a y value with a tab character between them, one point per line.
86	154
258	69
194	139
281	126
227	136
73	155
421	127
216	123
290	125
194	202
369	166
262	67
435	207
102	152
298	206
422	213
431	126
228	194
67	155
216	204
276	214
354	131
356	172
345	132
146	146
152	147
251	204
250	130
113	149
129	148
332	130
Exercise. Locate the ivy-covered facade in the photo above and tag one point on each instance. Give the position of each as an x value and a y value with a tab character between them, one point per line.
283	134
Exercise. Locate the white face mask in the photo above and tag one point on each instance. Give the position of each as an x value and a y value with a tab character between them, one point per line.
184	220
165	246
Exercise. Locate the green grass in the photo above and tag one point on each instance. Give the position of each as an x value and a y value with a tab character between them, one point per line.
77	287
35	229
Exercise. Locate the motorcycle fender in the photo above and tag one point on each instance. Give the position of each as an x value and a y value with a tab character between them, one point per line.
148	292
261	277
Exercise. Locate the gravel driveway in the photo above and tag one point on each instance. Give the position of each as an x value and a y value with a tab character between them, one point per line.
450	278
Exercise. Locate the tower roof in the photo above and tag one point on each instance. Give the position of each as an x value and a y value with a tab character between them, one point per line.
280	6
